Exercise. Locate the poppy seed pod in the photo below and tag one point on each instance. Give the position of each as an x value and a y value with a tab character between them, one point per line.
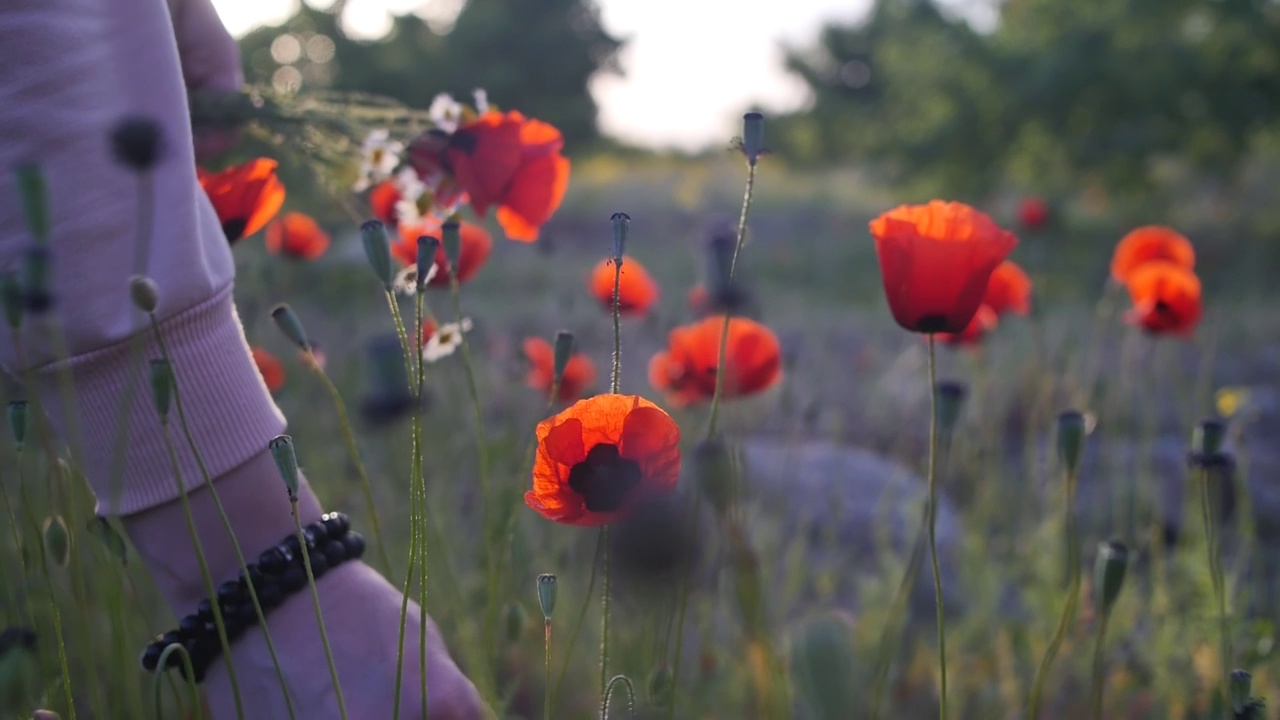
377	248
1241	687
1208	438
950	395
426	258
714	473
137	143
57	540
563	351
1071	432
36	297
11	296
451	239
823	665
515	617
621	228
290	326
144	293
35	200
660	685
753	136
547	595
161	377
110	538
1108	574
282	452
18	421
720	270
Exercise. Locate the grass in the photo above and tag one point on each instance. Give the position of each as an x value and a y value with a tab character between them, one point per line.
852	377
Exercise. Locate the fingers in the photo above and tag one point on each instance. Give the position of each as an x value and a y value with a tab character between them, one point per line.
210	56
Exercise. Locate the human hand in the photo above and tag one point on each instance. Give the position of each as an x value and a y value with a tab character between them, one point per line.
210	66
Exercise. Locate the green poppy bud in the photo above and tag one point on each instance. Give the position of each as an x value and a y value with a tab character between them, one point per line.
144	293
547	595
563	351
714	473
753	136
377	248
621	228
282	452
290	326
57	540
35	200
1071	432
161	387
1108	574
18	421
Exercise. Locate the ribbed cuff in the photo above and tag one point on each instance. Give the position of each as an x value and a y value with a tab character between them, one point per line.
116	427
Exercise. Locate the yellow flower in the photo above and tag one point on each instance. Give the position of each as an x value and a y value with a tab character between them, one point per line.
1231	400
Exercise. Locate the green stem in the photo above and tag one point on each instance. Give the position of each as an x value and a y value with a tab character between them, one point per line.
420	478
63	665
615	378
315	602
604	624
348	436
404	599
933	525
1219	591
733	269
685	590
546	692
1073	598
204	566
884	653
582	617
1098	678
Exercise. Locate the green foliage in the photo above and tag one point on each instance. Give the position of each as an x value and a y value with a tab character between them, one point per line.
548	53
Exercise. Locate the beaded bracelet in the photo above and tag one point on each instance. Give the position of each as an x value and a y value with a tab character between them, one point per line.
278	573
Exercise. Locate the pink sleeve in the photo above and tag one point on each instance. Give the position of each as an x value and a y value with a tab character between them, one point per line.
73	69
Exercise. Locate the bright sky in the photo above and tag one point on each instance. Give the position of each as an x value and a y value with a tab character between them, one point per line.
692	66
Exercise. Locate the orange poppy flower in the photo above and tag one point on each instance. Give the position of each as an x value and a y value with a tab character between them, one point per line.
601	455
245	197
270	367
1148	243
297	235
1166	298
699	299
983	322
637	291
502	159
686	370
382	201
1009	290
428	329
579	372
474	251
936	261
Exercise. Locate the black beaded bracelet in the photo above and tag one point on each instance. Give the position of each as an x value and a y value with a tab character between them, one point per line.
278	573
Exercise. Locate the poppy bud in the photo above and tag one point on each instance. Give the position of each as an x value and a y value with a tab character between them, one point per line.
286	461
451	239
36	297
950	397
1108	573
720	269
386	366
144	293
515	620
57	540
822	665
563	352
1241	688
1208	438
753	136
377	248
427	247
161	387
18	421
713	471
660	685
547	595
136	142
621	227
290	326
1071	432
35	200
106	533
11	296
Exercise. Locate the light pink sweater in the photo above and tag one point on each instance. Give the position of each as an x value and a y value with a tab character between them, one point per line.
70	70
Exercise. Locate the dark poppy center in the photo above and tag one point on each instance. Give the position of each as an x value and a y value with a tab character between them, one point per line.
464	140
234	229
932	324
604	478
1163	309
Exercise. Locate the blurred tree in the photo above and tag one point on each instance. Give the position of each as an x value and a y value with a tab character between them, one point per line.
1062	91
533	55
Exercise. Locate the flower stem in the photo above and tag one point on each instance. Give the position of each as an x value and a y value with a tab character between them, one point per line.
1219	589
1098	677
1073	599
315	602
933	525
884	653
733	269
582	617
615	378
604	625
420	478
546	691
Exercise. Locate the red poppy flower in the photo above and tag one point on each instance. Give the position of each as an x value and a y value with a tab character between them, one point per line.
1166	298
579	372
382	201
1009	290
474	251
428	329
637	291
245	197
1148	243
686	370
270	368
298	236
502	159
936	261
699	299
983	322
598	457
1033	213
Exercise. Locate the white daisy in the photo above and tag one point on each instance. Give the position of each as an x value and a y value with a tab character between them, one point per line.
379	157
445	112
406	282
411	188
482	100
446	339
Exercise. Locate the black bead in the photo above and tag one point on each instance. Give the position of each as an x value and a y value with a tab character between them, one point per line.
354	543
235	628
319	565
314	536
293	579
270	596
230	592
337	523
291	545
246	615
251	575
169	638
273	561
204	610
151	657
335	552
190	625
